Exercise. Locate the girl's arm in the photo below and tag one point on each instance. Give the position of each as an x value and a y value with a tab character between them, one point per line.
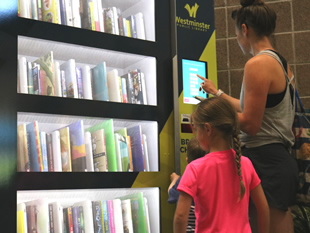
181	213
262	208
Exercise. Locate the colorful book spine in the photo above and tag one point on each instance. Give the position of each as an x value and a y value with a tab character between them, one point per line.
34	147
44	150
50	156
36	79
51	218
124	89
111	216
97	216
79	82
99	82
65	149
76	219
105	216
49	11
22	149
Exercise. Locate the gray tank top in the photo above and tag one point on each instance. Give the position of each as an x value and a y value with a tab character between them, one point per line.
277	121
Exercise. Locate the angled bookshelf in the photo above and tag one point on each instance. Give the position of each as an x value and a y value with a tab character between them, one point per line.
31	38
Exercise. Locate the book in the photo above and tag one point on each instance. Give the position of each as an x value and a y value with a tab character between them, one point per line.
62	8
38	214
50	156
70	76
135	76
30	78
105	216
47	81
57	215
97	216
127	218
109	141
79	82
44	150
68	12
120	22
50	11
124	89
58	91
118	217
76	18
21	218
82	225
116	15
68	221
109	20
143	88
22	75
89	152
65	149
100	16
129	154
124	20
147	215
123	146
132	26
99	82
63	83
118	152
135	134
94	14
22	151
145	153
128	28
113	86
34	147
51	217
76	219
99	151
129	87
140	25
111	216
36	79
56	151
88	220
86	81
58	11
34	9
24	9
78	156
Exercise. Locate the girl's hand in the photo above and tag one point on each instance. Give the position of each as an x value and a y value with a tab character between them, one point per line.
207	86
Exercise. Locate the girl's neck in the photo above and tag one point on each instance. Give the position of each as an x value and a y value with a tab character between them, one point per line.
219	144
260	45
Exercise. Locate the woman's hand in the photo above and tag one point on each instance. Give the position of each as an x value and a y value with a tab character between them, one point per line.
207	86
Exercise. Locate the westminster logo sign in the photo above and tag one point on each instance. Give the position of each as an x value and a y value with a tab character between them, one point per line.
192	10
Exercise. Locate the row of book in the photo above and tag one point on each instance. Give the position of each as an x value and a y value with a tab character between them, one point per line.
44	76
71	148
126	214
88	14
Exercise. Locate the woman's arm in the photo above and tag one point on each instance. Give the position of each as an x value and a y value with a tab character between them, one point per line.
209	87
260	202
181	213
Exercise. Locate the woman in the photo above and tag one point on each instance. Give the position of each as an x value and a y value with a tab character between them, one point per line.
265	111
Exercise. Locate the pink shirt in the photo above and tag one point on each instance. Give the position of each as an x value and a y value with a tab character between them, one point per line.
213	182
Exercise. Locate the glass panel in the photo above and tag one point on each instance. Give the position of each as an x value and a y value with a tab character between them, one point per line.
69	143
66	70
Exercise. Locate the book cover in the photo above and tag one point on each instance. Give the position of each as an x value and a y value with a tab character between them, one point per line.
88	220
78	156
22	75
56	151
79	82
118	152
22	150
21	218
111	216
57	216
62	8
97	216
50	11
99	151
105	216
118	216
127	218
50	156
124	89
109	20
47	82
76	219
39	215
145	153
89	152
70	76
65	149
86	81
70	220
135	134
123	145
58	91
76	18
129	154
99	82
140	26
132	25
109	141
30	78
113	86
36	79
137	211
82	225
44	150
130	89
129	34
34	147
137	85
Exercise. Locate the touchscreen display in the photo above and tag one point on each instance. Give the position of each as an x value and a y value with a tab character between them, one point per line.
191	83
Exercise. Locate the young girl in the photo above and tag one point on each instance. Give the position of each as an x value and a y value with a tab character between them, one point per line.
221	182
